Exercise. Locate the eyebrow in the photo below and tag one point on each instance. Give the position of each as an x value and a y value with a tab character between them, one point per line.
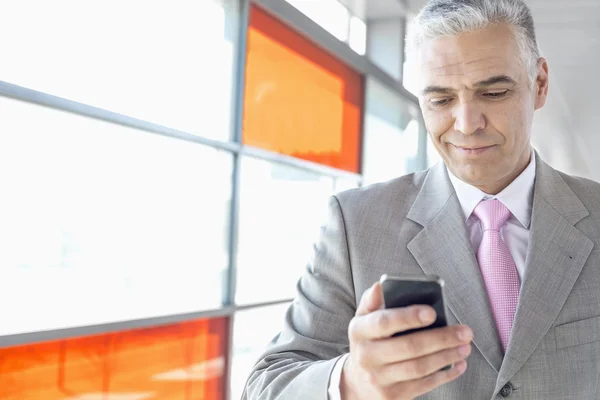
485	83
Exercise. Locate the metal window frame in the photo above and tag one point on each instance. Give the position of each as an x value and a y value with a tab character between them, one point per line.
234	213
302	24
98	329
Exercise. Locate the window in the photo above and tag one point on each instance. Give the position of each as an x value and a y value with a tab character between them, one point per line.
410	72
391	140
170	63
281	208
253	330
103	223
104	226
180	361
358	35
336	19
299	100
342	184
410	77
330	14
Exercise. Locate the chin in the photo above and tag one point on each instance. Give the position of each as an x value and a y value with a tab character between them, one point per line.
473	175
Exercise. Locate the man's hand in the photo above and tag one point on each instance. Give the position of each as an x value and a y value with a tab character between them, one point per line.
405	367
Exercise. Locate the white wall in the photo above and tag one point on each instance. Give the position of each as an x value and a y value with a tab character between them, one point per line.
556	137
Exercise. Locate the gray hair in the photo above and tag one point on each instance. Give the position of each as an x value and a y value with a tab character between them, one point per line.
453	17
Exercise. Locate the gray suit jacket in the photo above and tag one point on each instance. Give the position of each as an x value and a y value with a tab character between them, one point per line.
414	225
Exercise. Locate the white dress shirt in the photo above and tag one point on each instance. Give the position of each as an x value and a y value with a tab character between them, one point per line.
517	197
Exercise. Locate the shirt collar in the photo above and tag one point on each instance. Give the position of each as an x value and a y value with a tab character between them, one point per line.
512	196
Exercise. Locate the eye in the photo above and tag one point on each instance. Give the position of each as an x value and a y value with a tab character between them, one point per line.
440	102
496	94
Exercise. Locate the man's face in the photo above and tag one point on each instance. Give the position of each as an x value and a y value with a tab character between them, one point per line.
478	105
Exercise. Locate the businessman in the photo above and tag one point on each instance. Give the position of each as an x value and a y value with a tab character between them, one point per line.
517	243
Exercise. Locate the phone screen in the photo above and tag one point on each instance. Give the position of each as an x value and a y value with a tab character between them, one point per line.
403	293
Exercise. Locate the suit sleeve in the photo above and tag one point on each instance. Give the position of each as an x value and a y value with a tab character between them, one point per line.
299	361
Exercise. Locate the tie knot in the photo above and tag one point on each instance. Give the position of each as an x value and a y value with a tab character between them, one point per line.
492	214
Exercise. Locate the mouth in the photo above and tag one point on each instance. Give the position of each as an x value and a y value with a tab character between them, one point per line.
472	151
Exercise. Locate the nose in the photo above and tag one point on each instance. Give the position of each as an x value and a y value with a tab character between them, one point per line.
468	118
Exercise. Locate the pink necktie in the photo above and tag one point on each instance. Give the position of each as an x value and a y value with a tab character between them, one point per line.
498	267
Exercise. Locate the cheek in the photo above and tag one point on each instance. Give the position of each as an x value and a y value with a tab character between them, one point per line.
508	123
514	129
514	123
437	122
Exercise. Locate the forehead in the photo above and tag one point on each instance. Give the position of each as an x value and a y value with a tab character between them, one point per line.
470	57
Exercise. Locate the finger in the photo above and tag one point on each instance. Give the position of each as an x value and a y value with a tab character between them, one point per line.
382	324
420	344
375	299
421	386
371	300
422	367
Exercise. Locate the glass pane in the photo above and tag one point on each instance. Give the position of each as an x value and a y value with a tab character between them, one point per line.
433	157
104	223
299	100
410	78
180	361
281	209
391	138
358	35
410	73
330	14
252	332
342	184
171	63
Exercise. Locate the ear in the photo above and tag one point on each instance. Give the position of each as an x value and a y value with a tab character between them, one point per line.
541	83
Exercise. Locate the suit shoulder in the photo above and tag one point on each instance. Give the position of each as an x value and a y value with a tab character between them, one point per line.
587	190
398	189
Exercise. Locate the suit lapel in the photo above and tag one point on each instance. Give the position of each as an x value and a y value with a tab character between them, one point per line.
443	248
556	255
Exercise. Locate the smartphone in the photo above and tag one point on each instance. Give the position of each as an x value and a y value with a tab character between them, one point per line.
412	290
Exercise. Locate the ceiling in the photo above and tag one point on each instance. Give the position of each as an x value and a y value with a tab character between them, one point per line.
568	34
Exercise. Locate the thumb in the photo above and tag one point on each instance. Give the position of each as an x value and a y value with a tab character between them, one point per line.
372	300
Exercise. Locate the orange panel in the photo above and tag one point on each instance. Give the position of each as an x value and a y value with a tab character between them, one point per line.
299	100
185	361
